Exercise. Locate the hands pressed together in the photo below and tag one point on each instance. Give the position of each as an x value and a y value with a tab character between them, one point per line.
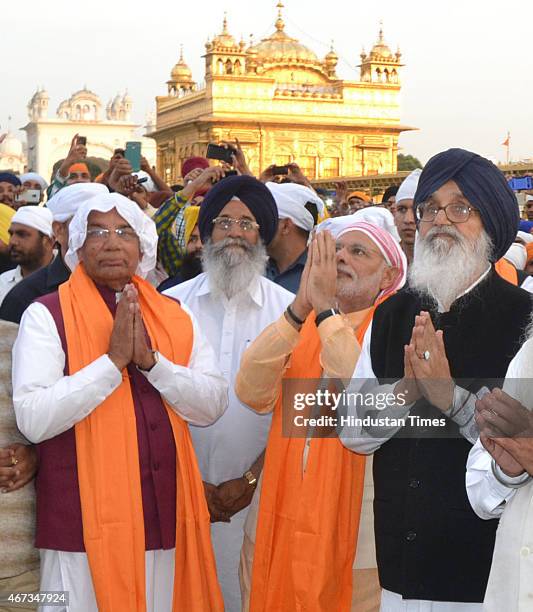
128	339
228	498
318	285
506	432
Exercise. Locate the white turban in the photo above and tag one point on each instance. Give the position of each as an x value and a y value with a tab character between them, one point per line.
529	198
517	255
35	216
291	199
407	189
66	201
527	238
376	215
149	184
142	224
33	176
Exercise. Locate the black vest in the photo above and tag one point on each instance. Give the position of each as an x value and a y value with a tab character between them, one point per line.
430	544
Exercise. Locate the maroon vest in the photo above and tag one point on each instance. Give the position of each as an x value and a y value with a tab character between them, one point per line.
59	519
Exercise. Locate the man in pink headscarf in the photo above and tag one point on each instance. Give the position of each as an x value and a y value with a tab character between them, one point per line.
344	279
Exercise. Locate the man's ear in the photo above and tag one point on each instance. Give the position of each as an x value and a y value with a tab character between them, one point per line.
390	274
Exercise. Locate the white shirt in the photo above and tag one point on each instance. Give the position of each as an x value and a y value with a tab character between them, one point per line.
227	448
510	584
8	280
48	403
528	284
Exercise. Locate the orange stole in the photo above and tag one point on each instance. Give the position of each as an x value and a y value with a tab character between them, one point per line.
507	271
108	461
307	525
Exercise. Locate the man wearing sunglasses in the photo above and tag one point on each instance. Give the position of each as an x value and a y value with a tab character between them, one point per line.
444	339
234	303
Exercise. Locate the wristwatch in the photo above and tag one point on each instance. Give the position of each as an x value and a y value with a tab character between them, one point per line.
325	314
252	480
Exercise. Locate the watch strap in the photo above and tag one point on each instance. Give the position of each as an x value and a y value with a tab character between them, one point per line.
325	314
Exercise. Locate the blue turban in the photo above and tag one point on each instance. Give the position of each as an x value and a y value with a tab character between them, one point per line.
525	226
252	193
7	177
483	185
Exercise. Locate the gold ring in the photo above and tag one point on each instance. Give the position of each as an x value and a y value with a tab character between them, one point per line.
14	460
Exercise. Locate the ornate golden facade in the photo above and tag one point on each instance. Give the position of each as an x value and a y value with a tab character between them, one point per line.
283	104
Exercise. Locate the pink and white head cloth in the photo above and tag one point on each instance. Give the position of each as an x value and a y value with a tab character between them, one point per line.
389	247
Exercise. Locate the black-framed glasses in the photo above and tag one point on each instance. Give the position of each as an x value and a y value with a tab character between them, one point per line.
100	234
456	213
225	223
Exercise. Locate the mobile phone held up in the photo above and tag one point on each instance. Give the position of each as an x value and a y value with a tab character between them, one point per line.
30	196
220	152
133	155
82	140
276	170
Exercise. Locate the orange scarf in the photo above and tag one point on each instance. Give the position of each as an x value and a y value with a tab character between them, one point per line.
108	461
307	525
507	271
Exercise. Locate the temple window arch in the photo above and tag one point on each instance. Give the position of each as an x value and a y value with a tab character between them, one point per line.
229	67
378	75
237	68
220	67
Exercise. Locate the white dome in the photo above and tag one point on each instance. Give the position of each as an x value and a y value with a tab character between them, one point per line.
11	147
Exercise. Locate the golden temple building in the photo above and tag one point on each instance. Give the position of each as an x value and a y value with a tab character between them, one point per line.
283	103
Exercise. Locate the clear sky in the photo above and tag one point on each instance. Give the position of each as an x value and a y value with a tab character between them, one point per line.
468	78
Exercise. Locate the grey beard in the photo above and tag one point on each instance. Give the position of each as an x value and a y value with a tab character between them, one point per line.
232	270
357	287
443	270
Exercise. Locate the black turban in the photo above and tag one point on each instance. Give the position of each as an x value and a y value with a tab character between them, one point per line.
252	193
483	185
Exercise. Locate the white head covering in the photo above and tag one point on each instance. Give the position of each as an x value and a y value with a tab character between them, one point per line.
376	215
142	224
291	199
407	189
517	255
149	185
527	238
529	198
33	176
66	201
35	216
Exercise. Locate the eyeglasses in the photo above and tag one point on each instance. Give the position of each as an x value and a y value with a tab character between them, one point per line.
101	235
456	213
225	223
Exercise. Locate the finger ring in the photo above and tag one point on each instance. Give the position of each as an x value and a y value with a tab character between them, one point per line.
426	355
14	460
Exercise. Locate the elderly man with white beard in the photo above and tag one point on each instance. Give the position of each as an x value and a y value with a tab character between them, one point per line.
234	303
433	552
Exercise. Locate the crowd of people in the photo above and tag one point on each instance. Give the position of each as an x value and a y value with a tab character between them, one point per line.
154	339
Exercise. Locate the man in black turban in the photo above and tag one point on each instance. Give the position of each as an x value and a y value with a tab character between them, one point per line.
233	302
448	335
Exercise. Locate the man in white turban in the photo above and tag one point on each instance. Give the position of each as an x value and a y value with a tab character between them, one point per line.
404	215
32	180
46	280
122	372
31	244
298	210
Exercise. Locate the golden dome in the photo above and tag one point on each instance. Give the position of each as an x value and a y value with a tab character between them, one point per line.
381	49
280	47
224	39
181	72
331	57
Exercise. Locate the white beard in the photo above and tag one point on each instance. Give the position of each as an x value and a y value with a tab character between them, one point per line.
444	269
232	269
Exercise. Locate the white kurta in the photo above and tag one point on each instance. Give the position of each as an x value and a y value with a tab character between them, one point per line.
228	448
510	585
8	280
197	392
